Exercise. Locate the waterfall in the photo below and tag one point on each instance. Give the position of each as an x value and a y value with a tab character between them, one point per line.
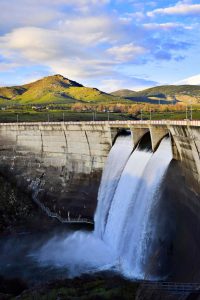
124	197
129	228
115	164
125	226
139	229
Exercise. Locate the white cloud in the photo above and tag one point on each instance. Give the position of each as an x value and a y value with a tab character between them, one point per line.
26	13
46	13
57	50
85	6
71	38
35	44
138	16
7	66
166	26
126	52
179	9
131	83
78	47
193	80
89	30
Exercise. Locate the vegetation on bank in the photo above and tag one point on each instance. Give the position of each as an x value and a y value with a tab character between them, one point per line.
83	288
80	112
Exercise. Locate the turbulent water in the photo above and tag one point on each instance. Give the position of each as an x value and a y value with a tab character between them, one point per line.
115	164
124	222
139	228
129	227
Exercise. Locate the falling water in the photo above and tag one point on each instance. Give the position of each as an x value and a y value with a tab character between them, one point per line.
129	228
139	228
124	197
124	223
115	164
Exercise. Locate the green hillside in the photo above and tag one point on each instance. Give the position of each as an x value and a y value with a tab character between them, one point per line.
53	90
60	90
9	93
164	94
124	93
193	90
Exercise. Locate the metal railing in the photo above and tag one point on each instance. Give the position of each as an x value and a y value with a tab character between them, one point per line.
67	220
173	287
16	116
110	123
35	186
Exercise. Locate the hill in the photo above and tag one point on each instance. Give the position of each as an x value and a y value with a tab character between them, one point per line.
124	93
53	89
60	90
164	94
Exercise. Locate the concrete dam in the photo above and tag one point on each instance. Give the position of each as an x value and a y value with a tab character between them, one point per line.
145	176
59	157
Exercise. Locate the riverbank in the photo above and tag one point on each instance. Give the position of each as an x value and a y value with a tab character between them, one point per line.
87	287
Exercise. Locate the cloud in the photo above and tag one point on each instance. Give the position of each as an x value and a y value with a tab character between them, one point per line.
7	66
166	26
26	13
138	16
193	80
179	9
34	44
37	13
132	83
90	30
58	50
89	40
126	52
76	47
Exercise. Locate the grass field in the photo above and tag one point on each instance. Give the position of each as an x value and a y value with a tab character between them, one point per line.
28	115
56	116
171	115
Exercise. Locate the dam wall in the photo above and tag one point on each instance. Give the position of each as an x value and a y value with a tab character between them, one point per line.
62	163
83	147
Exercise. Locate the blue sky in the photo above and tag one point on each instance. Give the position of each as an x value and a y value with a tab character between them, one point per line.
102	43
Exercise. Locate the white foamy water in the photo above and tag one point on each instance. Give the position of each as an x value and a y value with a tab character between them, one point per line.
124	226
138	230
115	164
124	198
83	252
80	252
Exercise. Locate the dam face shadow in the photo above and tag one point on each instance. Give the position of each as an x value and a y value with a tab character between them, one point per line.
178	225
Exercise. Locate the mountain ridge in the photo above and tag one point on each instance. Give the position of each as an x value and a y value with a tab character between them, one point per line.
57	89
53	89
167	93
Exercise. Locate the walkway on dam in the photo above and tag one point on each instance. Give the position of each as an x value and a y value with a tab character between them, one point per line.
120	123
54	215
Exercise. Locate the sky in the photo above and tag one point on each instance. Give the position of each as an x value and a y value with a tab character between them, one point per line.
108	44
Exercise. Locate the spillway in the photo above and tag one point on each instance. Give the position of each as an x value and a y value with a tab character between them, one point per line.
130	228
115	164
125	227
